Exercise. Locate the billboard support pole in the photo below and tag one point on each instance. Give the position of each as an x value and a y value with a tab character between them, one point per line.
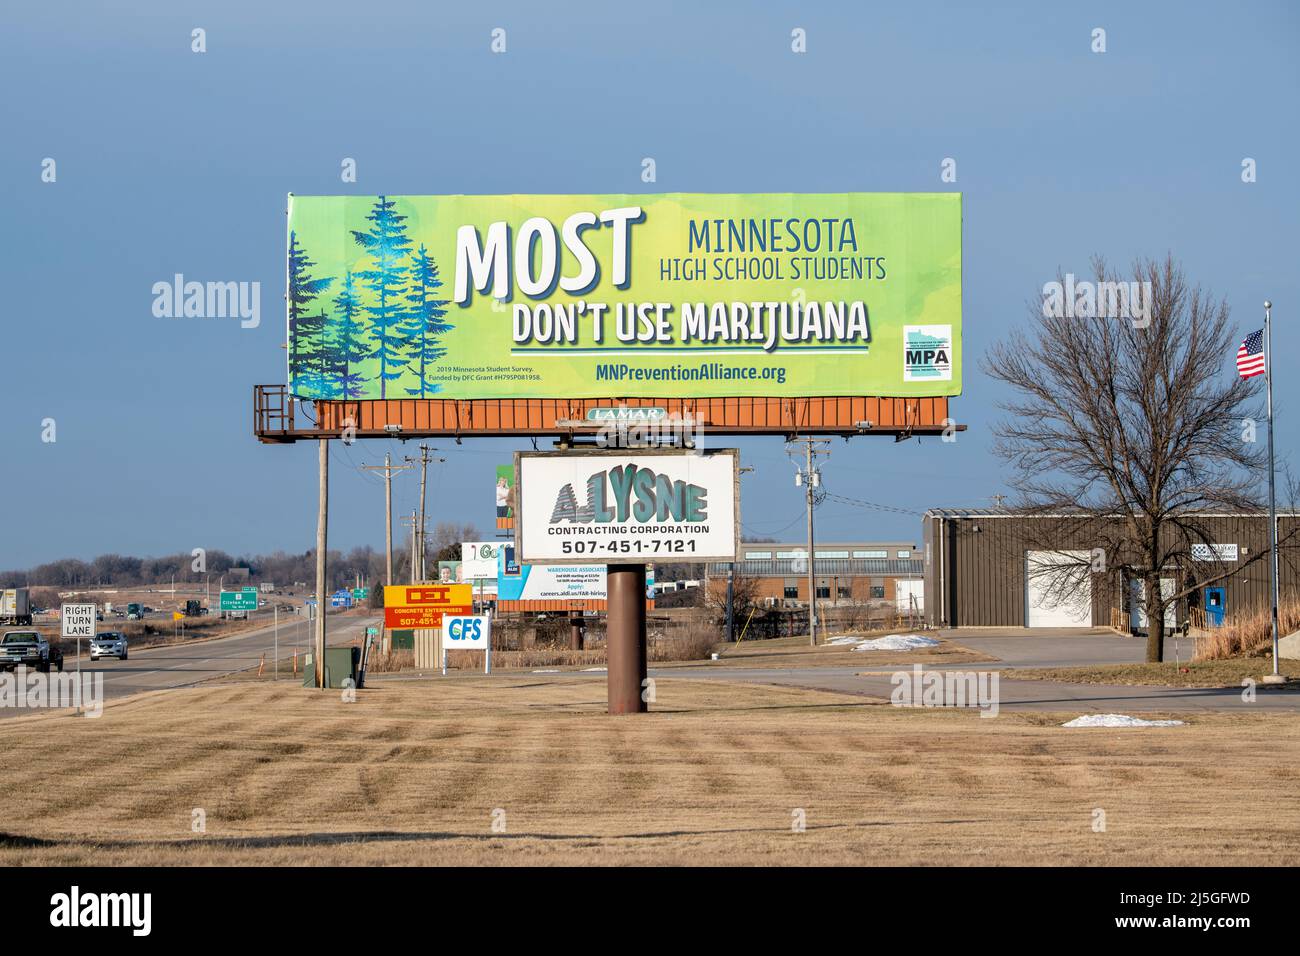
322	522
626	641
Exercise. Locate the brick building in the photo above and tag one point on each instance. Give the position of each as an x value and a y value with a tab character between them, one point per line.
846	573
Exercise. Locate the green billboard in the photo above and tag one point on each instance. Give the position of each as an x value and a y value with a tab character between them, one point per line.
584	296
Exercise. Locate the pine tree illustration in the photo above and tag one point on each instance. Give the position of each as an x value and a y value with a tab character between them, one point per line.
388	245
566	505
306	332
425	320
347	347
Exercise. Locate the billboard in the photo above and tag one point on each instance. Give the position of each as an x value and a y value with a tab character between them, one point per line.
547	582
478	560
422	606
639	296
597	507
505	497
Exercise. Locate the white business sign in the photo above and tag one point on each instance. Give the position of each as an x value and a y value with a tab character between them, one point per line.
612	507
1214	552
78	620
467	632
478	560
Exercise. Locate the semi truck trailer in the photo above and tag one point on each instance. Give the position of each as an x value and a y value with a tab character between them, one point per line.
15	606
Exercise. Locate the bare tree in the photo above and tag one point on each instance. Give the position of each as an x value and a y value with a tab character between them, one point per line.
1129	428
745	595
447	537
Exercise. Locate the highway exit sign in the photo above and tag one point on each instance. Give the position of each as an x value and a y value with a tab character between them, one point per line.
245	600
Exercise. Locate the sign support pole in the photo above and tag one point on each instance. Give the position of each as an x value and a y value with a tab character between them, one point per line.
322	522
626	640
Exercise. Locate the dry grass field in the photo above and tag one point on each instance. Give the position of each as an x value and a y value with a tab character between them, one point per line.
413	771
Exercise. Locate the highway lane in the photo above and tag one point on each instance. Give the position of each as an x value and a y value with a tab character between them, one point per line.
180	665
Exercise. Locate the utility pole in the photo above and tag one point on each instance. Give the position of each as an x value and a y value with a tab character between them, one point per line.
731	587
423	460
415	539
810	478
388	468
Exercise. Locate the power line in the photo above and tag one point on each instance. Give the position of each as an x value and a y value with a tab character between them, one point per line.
860	503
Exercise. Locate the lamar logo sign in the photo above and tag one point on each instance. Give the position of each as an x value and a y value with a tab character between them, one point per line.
631	492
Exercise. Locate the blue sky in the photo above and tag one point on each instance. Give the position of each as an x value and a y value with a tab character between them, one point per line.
170	161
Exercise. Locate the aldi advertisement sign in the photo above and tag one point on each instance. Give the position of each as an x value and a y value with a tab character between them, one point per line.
646	295
545	582
610	507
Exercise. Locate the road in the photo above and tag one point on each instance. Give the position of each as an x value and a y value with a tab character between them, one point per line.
179	665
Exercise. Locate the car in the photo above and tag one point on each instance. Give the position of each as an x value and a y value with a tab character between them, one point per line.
108	644
29	648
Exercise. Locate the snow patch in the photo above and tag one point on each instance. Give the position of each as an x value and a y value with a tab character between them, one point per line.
896	642
1119	720
552	671
599	669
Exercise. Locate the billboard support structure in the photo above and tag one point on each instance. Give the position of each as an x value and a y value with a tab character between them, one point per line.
779	282
626	641
322	526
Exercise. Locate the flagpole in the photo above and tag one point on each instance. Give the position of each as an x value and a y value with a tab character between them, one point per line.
1272	500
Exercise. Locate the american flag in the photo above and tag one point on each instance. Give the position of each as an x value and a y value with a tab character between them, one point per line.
1250	357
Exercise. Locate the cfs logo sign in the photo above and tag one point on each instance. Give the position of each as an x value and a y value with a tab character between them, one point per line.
467	632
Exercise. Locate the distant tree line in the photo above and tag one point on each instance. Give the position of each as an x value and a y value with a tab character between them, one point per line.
280	568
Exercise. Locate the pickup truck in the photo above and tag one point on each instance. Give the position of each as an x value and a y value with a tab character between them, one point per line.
31	649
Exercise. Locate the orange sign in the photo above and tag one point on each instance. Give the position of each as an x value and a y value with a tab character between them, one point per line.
423	605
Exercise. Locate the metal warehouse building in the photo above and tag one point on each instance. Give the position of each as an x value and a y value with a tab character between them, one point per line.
995	569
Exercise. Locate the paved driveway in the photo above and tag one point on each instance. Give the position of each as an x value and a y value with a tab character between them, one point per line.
1046	648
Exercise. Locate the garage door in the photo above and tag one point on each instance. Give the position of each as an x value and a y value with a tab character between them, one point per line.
1058	589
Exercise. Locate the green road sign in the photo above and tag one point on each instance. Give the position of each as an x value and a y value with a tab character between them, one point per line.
360	594
245	600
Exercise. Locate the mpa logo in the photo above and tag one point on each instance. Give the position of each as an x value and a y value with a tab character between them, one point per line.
927	353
